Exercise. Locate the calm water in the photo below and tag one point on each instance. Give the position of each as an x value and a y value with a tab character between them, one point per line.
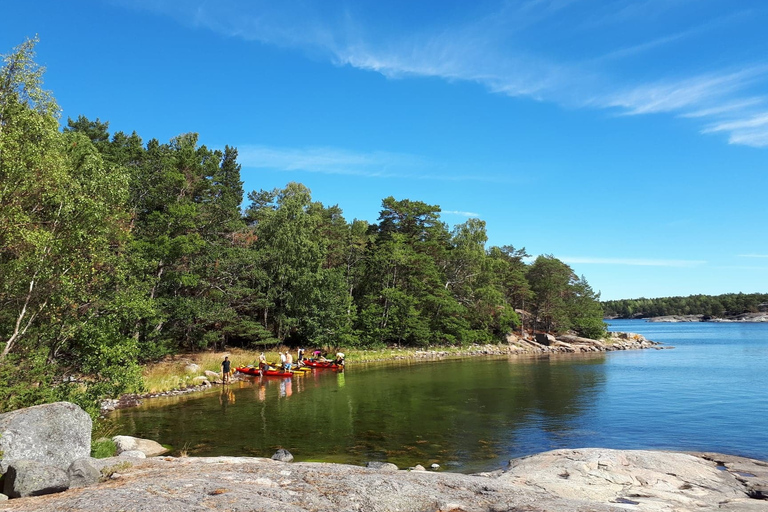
708	393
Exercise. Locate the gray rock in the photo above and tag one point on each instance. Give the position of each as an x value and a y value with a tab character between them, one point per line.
192	368
33	478
83	472
656	481
148	447
213	376
136	454
55	434
435	466
417	467
381	466
3	497
283	455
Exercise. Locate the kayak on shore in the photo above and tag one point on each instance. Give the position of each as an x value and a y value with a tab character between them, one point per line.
250	370
322	364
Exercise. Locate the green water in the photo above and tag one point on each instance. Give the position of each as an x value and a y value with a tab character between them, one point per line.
466	415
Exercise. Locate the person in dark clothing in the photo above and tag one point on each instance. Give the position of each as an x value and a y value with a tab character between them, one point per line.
225	369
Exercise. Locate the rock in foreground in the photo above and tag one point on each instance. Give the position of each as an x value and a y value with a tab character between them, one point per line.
56	434
594	480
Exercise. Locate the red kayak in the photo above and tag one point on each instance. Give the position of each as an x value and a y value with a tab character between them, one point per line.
322	364
250	370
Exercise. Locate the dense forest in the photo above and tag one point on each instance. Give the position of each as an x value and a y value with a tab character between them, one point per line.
115	252
728	304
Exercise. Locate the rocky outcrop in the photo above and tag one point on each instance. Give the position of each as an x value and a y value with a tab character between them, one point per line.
677	318
568	343
55	434
594	480
744	317
650	480
545	344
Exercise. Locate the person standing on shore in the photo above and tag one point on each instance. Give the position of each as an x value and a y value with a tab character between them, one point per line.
282	359
225	369
288	361
263	366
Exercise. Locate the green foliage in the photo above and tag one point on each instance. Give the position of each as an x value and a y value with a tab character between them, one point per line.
103	448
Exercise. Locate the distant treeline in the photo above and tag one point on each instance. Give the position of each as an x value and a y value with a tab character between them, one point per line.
709	305
115	252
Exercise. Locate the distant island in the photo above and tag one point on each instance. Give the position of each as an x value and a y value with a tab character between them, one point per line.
729	307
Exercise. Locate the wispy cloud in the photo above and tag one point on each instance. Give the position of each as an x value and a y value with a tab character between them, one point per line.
460	213
753	255
695	93
498	45
328	160
636	262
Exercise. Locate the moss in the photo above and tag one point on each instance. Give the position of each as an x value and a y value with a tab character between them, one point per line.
102	448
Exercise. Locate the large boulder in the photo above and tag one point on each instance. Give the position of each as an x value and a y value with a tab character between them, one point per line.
56	434
33	478
148	447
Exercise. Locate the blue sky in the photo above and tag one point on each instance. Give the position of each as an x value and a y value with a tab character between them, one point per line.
629	138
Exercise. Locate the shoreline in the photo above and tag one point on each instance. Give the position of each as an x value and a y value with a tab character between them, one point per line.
529	346
744	318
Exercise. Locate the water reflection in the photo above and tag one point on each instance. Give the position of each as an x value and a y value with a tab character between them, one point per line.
468	415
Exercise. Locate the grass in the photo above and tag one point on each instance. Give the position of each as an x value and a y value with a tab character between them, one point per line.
102	448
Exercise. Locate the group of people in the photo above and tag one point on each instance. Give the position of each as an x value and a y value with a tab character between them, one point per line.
318	356
286	362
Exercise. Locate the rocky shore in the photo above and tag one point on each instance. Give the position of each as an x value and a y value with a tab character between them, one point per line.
584	480
744	317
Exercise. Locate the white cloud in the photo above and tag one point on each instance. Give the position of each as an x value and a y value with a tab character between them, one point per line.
753	255
460	213
698	93
638	262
